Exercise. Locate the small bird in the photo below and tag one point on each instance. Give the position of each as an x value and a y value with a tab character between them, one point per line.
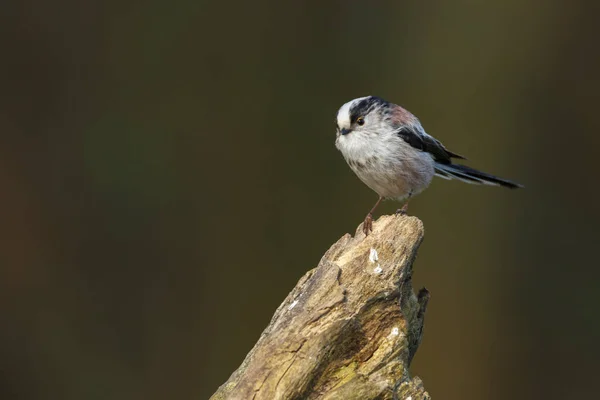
388	149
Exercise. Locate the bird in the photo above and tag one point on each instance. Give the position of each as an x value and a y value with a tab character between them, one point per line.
390	152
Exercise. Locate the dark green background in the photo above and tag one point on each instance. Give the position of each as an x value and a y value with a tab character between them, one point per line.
168	172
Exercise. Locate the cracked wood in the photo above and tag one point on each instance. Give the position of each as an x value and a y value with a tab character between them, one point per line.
348	330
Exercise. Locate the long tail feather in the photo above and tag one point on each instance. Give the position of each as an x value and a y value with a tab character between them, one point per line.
470	175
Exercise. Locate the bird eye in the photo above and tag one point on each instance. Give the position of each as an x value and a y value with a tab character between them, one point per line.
360	121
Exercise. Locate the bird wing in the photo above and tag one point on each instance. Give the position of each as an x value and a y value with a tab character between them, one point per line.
424	142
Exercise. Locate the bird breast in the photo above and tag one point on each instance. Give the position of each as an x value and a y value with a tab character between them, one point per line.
395	170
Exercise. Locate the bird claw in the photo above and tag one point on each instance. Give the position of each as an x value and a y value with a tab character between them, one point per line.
368	224
403	210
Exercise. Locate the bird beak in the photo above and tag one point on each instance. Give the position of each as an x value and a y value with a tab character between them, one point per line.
345	131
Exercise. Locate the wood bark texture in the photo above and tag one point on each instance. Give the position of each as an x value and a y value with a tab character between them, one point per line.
348	330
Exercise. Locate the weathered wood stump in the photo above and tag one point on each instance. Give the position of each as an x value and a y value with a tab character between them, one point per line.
348	330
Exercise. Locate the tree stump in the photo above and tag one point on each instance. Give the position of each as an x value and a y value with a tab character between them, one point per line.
348	330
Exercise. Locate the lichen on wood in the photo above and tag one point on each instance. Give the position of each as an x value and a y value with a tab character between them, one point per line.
348	330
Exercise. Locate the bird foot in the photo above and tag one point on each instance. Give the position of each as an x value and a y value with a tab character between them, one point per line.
368	224
403	210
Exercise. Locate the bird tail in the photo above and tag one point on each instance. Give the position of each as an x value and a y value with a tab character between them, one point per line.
470	175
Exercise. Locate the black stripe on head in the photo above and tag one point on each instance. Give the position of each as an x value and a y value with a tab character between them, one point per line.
365	106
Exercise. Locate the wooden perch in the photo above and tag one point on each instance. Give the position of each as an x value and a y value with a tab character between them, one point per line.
348	330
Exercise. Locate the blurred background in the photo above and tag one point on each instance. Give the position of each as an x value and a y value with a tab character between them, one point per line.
168	173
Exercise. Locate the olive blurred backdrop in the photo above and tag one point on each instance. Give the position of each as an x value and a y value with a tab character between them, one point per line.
168	172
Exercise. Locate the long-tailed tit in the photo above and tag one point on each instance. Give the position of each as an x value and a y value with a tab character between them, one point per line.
386	146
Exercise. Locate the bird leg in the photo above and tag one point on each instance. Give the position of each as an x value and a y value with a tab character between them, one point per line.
368	224
404	209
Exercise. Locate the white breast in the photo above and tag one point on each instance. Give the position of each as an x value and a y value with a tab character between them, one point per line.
388	165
